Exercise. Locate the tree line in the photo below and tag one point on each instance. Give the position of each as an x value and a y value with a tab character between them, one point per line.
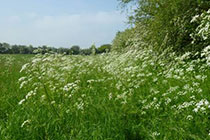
6	48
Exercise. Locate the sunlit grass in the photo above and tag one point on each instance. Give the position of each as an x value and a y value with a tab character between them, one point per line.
132	95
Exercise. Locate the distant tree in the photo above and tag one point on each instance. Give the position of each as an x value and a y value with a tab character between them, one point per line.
75	50
104	48
93	49
44	49
7	48
67	51
2	48
23	49
15	49
60	50
30	49
86	51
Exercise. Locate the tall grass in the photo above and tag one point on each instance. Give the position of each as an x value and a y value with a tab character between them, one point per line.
134	95
10	93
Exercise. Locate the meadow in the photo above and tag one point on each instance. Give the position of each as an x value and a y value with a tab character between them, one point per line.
132	95
151	83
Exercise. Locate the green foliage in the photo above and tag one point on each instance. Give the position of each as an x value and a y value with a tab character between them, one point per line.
138	94
93	49
75	50
168	22
122	40
201	35
86	51
6	48
104	48
118	96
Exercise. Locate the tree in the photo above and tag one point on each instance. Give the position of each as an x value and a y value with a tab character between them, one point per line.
6	47
30	49
93	49
121	40
15	49
75	50
23	49
168	21
86	51
104	48
2	48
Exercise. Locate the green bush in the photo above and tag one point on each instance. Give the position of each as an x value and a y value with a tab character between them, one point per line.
122	39
201	35
168	22
104	48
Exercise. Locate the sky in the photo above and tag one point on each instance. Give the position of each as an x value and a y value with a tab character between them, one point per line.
60	23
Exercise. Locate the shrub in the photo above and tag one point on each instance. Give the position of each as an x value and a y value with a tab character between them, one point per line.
104	48
122	40
168	22
201	36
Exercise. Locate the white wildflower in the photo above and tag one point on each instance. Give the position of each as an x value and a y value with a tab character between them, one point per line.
53	102
189	117
24	67
194	18
23	84
155	133
22	101
25	122
110	96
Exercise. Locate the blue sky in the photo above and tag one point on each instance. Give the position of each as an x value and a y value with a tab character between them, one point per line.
60	23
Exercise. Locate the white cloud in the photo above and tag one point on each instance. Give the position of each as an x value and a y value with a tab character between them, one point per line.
32	15
64	30
13	19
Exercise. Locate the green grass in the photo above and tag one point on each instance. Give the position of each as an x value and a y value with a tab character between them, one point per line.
129	96
10	93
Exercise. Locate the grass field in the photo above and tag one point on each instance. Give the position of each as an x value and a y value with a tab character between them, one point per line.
130	96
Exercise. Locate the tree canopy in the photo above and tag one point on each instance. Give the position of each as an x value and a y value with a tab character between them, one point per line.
168	22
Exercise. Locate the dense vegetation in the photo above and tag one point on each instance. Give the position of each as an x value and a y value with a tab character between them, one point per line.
132	95
6	48
153	85
182	26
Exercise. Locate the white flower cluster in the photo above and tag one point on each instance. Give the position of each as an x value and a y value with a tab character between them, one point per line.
139	81
202	105
203	30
